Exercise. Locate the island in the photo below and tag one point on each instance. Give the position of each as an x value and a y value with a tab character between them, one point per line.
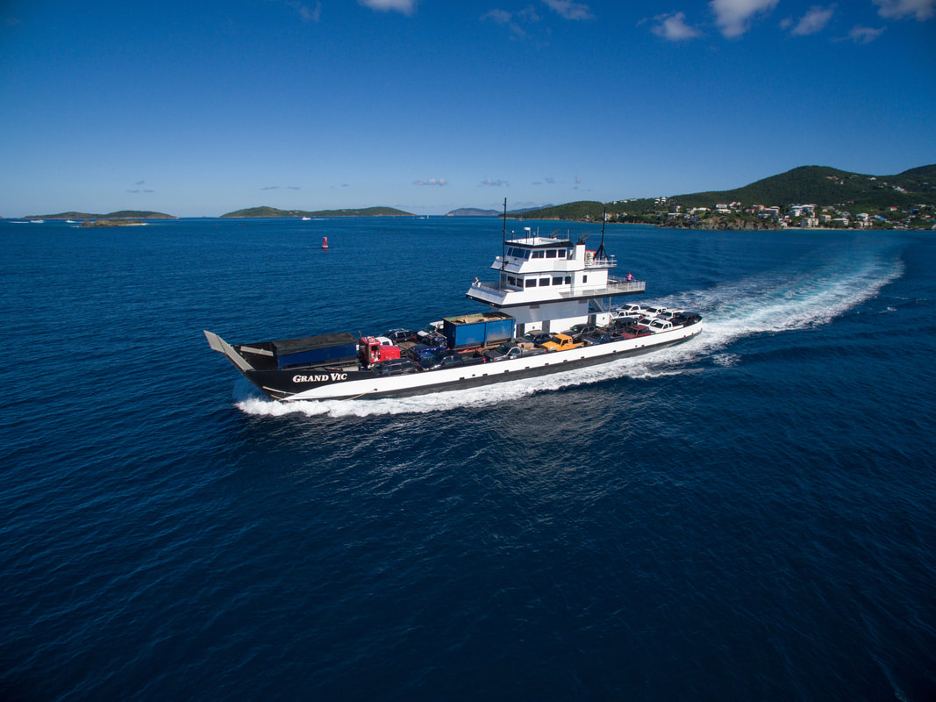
113	223
365	212
122	214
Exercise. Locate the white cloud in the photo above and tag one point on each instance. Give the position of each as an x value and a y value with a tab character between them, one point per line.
898	9
570	10
431	181
407	7
813	21
733	17
494	183
305	13
505	19
863	35
673	27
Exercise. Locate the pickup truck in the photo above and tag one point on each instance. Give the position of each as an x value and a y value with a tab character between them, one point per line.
660	325
449	359
430	345
600	336
579	330
561	342
508	351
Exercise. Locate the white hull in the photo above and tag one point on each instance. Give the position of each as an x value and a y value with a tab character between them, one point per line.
497	371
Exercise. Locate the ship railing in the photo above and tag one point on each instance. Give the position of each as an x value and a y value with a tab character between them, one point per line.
620	287
613	287
492	285
603	262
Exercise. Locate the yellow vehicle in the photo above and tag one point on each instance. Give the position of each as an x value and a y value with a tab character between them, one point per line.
561	342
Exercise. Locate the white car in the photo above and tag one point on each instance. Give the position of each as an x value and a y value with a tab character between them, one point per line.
629	311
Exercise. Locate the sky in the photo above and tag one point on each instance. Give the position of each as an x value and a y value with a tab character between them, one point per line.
201	108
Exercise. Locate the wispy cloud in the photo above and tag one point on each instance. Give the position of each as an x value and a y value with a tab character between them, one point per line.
431	181
407	7
307	15
141	191
270	187
494	183
673	27
516	23
734	17
863	35
812	22
569	10
898	9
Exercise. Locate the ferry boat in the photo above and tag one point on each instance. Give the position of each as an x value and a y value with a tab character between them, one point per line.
547	291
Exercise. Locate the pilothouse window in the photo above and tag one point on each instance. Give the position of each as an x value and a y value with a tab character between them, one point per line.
551	253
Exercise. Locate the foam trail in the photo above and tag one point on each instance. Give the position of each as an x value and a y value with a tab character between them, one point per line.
770	302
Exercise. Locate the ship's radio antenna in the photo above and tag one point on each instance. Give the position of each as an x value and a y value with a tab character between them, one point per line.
504	238
600	253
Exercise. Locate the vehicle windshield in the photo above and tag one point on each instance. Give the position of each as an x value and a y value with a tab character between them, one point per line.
502	349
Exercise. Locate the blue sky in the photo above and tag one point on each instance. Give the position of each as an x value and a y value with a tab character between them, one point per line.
200	108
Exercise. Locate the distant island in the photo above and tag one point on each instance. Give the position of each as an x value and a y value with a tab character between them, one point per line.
113	223
123	214
474	212
273	212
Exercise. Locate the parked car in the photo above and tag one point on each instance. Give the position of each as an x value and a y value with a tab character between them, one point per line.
535	337
579	330
562	342
637	331
624	322
398	335
630	311
685	319
509	350
449	359
599	336
398	366
654	311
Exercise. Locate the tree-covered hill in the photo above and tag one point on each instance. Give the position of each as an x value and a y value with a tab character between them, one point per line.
818	185
122	214
822	185
365	212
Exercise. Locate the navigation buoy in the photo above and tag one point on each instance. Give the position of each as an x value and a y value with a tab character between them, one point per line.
324	242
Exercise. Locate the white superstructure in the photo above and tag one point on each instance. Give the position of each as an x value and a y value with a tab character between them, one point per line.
548	283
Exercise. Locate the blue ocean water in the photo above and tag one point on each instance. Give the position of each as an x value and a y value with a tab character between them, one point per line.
746	516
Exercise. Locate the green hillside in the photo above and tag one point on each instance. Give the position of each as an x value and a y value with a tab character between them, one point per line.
819	185
122	214
822	185
580	210
273	212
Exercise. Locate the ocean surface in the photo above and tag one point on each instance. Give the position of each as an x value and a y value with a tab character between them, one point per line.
748	516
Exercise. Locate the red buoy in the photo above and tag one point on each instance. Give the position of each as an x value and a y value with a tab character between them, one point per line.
324	242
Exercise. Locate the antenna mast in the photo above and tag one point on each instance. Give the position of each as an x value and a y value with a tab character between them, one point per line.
504	238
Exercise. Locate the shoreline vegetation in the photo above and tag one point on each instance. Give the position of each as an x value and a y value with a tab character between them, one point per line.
113	223
813	197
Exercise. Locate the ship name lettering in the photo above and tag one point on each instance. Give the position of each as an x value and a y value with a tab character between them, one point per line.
323	378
